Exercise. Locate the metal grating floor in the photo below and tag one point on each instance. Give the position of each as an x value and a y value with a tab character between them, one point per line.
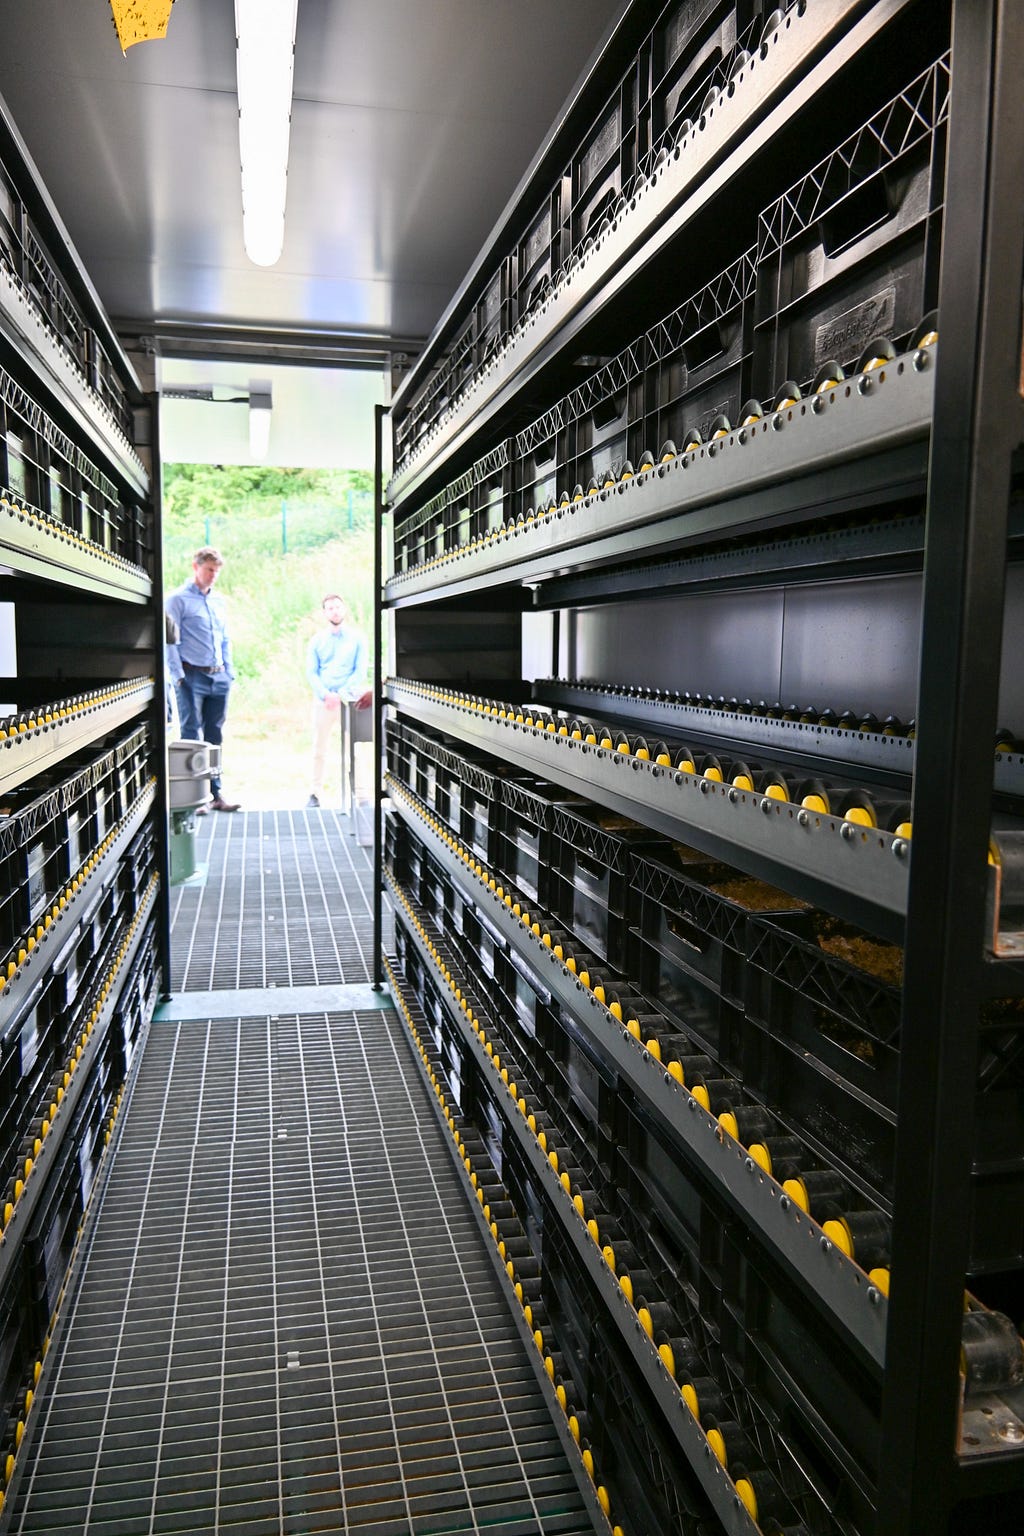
288	1321
287	901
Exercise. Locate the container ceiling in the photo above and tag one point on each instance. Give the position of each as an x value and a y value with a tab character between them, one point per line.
412	123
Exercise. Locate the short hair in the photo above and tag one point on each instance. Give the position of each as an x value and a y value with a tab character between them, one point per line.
207	556
331	597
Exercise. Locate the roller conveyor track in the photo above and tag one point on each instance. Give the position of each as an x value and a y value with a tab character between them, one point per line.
287	901
287	1320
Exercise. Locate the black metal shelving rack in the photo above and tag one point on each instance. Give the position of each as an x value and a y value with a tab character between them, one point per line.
838	509
83	914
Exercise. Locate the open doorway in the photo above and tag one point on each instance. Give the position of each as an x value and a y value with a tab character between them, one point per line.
288	536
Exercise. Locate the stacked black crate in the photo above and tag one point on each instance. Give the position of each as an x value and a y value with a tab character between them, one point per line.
81	750
702	418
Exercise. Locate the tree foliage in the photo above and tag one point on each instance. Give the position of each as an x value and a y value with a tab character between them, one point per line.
192	491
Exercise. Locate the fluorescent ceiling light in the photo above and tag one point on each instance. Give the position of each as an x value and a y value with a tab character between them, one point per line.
265	35
260	406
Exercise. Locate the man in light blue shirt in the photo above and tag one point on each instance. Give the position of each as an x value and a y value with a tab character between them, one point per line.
200	663
336	669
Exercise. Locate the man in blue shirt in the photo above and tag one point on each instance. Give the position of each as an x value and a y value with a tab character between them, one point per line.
336	669
200	663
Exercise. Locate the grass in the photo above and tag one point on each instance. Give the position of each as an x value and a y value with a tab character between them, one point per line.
273	603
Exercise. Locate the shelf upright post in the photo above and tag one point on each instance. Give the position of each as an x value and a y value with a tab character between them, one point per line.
158	708
976	428
379	413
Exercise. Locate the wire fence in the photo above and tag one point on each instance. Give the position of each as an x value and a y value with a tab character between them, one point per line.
289	527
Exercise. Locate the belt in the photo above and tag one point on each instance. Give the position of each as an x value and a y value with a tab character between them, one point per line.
190	668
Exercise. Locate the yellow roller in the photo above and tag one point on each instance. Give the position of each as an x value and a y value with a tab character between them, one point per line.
838	1232
797	1192
747	1497
717	1444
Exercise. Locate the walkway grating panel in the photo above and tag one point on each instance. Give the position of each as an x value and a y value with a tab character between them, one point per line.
288	1321
287	901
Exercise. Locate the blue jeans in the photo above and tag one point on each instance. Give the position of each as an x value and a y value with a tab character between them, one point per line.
203	708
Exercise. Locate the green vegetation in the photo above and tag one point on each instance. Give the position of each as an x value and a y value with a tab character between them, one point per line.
288	536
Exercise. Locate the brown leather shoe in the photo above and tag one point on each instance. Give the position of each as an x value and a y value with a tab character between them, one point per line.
202	810
218	803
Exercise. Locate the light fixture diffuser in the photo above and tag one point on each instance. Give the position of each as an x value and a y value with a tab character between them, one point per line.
260	407
265	40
